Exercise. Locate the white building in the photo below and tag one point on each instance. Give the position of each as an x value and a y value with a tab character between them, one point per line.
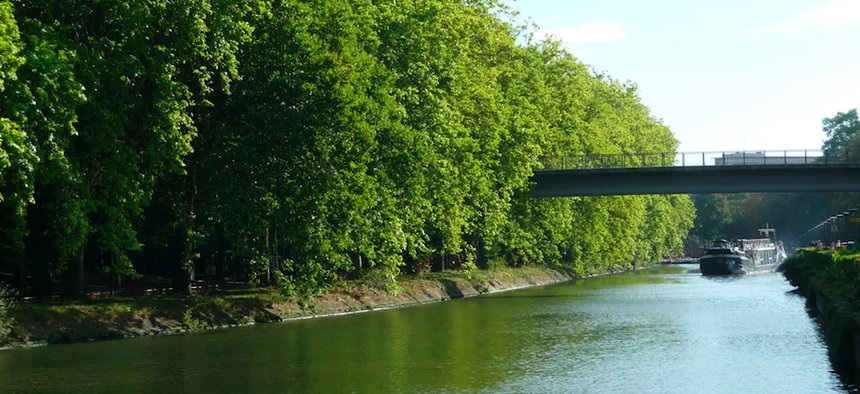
759	158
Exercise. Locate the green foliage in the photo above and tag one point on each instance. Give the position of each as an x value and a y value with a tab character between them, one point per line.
843	276
801	267
380	280
190	323
841	130
837	273
17	155
301	142
724	216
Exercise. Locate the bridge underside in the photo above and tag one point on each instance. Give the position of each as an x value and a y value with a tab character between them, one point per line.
691	180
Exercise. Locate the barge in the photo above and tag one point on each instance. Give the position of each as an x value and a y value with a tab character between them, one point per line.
742	256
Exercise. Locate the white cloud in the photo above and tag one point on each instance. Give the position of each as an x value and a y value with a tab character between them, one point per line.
828	18
591	33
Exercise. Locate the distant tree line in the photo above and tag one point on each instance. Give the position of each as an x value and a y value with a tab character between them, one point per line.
300	142
721	216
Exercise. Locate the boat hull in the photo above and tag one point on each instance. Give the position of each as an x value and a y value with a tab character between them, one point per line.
714	267
717	267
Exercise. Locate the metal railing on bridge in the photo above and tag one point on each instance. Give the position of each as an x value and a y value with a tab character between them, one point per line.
699	159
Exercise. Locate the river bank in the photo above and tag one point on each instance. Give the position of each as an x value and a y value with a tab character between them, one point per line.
829	281
49	322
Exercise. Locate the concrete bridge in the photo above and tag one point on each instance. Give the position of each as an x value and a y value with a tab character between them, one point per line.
697	172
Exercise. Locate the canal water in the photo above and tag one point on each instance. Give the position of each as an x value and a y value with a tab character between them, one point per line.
664	330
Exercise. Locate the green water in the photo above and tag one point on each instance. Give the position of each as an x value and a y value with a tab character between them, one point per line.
663	331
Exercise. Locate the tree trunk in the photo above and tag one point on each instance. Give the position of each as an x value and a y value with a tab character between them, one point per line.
21	274
220	262
42	281
436	263
482	261
408	266
73	281
181	280
268	260
92	257
277	255
40	250
185	274
108	261
357	264
188	279
181	276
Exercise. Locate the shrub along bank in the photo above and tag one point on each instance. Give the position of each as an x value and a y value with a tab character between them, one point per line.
59	321
830	281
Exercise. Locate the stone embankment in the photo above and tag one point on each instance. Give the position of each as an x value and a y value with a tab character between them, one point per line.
47	322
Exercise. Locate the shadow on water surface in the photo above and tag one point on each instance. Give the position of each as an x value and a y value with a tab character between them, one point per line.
849	376
551	295
621	280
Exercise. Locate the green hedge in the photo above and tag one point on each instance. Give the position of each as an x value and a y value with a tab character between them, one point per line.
836	273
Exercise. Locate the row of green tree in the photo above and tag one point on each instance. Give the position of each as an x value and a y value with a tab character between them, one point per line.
302	141
791	214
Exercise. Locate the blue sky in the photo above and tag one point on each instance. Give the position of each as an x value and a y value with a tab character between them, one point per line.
724	75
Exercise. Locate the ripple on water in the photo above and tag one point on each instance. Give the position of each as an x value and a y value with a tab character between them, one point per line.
693	334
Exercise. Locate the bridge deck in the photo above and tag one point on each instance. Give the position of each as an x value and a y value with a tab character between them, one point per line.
817	177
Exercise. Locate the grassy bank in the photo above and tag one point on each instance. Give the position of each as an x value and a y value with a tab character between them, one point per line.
47	322
831	283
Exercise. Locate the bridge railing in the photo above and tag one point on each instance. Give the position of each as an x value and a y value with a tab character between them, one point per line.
700	159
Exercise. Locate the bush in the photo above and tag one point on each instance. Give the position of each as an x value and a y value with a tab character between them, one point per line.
801	268
841	277
421	266
381	279
7	301
836	273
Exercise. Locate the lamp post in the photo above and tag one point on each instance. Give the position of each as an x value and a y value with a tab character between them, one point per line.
843	230
840	226
851	228
823	232
820	231
834	233
831	229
